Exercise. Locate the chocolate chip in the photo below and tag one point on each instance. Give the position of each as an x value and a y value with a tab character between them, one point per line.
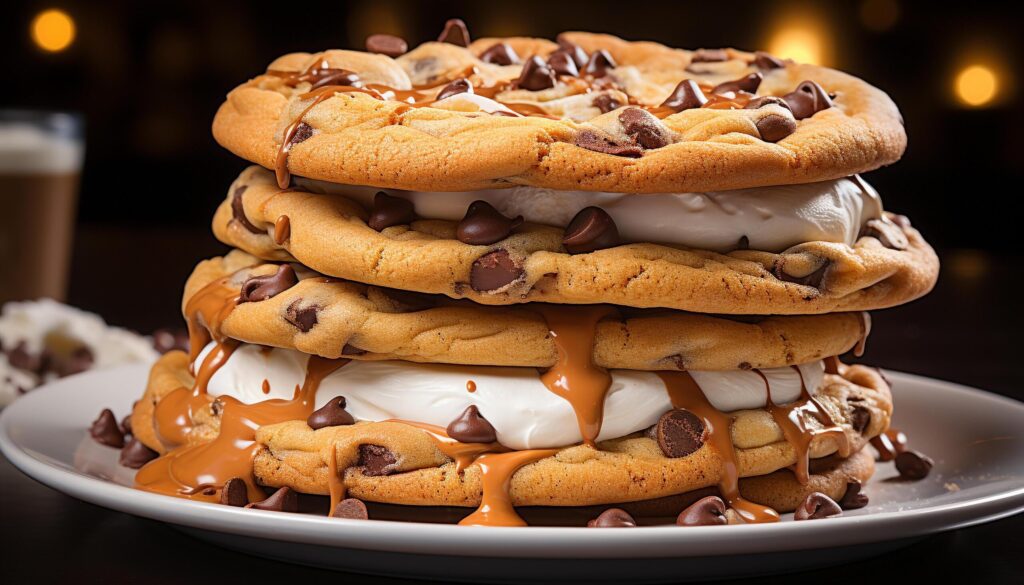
591	229
643	128
599	64
808	99
709	511
238	210
680	432
561	63
75	362
376	460
764	60
126	425
165	340
350	349
709	56
775	127
593	141
234	493
455	33
813	279
483	225
351	509
105	430
749	84
889	444
327	77
283	500
389	45
685	96
390	211
500	54
302	133
536	75
766	100
913	465
613	518
303	318
817	506
575	52
454	88
853	498
494	270
887	232
860	419
135	454
332	414
261	288
606	103
471	427
743	243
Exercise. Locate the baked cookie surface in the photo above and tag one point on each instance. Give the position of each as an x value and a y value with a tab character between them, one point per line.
330	234
616	119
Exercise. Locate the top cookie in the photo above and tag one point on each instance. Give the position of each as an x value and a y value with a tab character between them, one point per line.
592	112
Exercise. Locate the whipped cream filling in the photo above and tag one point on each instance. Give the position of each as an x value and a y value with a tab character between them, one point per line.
523	412
771	218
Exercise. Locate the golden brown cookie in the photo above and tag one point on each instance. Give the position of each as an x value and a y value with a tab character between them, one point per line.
366	119
329	233
370	323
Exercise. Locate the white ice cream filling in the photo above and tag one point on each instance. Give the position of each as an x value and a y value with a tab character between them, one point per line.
771	218
523	412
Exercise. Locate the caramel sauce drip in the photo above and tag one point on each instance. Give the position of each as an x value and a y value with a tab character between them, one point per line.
463	454
684	392
205	312
335	485
865	330
792	419
575	377
496	471
282	229
470	386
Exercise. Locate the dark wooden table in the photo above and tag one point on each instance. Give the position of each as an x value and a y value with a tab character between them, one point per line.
965	331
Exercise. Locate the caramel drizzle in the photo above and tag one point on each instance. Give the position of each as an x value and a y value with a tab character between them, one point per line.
463	454
792	419
282	229
335	485
575	377
864	319
684	392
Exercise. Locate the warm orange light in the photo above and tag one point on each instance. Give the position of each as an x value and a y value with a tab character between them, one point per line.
879	15
976	85
801	43
53	30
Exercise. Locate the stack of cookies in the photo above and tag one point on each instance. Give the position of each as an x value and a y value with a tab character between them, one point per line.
587	275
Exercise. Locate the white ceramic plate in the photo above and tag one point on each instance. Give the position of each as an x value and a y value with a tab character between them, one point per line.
976	439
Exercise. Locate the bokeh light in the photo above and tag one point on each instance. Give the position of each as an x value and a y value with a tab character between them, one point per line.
53	30
976	85
800	42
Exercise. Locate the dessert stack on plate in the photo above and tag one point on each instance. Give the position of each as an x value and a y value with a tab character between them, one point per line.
588	274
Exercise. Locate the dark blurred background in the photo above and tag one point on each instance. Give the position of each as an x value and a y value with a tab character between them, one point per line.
148	76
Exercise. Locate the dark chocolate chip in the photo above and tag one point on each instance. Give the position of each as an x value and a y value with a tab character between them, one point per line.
561	63
591	229
351	509
889	444
613	518
887	232
325	77
105	430
483	225
350	349
536	75
376	460
135	454
471	427
454	88
606	103
685	96
238	210
775	127
332	414
494	270
709	511
709	56
643	128
390	211
913	465
261	288
389	45
764	60
749	84
283	500
766	100
500	54
599	64
165	340
455	33
808	99
853	498
234	493
860	419
303	318
576	52
594	141
302	133
77	361
817	506
813	279
126	425
743	244
680	433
